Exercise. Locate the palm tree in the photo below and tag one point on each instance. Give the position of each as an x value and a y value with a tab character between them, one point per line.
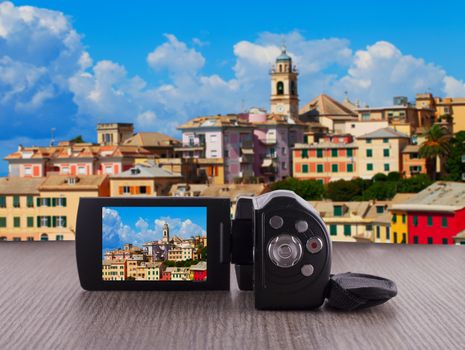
436	145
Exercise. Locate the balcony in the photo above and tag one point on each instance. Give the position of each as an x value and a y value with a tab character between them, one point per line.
269	166
269	141
190	147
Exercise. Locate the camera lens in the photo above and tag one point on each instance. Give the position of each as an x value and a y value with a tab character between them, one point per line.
285	250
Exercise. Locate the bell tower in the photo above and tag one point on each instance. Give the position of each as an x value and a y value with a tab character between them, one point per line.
284	96
166	233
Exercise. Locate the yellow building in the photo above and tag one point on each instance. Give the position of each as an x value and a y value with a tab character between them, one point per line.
18	208
58	203
153	271
113	270
399	220
380	152
181	254
143	180
454	107
378	224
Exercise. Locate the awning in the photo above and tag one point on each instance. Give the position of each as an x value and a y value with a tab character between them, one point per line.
247	151
267	163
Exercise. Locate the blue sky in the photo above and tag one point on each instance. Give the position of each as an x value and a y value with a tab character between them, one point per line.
70	64
138	225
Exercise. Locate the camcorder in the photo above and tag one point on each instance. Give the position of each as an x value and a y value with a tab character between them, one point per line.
278	243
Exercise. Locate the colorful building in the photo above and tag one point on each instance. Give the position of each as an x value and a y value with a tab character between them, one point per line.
332	158
433	216
143	180
412	163
447	106
198	272
380	152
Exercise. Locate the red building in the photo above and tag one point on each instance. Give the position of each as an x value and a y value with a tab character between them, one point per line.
436	214
165	276
199	271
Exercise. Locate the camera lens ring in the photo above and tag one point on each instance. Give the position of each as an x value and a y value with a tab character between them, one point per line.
285	250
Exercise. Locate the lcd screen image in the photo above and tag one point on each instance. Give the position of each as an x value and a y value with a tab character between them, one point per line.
154	244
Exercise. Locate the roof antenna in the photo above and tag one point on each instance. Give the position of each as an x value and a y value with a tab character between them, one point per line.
52	137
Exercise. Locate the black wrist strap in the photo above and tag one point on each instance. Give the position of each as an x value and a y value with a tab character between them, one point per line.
351	291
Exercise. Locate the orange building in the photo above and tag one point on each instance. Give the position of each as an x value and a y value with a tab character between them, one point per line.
331	159
412	163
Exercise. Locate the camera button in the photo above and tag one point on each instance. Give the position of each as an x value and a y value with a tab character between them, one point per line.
314	245
276	222
307	270
301	226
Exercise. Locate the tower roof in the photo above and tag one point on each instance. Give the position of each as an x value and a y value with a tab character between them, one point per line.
283	56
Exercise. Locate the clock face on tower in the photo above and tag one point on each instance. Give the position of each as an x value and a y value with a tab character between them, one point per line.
280	108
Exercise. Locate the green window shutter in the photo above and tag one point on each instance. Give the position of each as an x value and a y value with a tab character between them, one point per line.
30	221
350	168
334	153
319	153
386	167
54	202
385	140
404	218
444	221
305	168
305	153
64	221
394	218
2	222
430	221
49	221
54	221
347	230
430	240
30	201
386	152
16	201
415	220
338	210
319	168
16	221
47	200
369	153
445	241
350	152
38	202
38	221
333	230
334	168
369	166
368	140
64	202
2	202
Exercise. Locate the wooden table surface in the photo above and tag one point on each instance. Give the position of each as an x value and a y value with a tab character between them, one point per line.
43	307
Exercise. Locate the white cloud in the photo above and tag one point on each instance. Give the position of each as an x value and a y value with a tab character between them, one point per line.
454	87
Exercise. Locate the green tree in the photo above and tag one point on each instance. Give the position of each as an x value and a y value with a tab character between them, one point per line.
394	176
381	190
307	189
454	165
342	190
77	139
379	177
437	145
414	184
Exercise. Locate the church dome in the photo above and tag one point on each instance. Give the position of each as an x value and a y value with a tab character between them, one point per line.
283	56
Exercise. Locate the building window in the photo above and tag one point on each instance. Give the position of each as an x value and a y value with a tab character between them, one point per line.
283	165
394	218
404	238
226	153
404	218
366	116
370	166
378	232
338	210
3	222
305	168
334	168
415	239
16	201
143	189
386	167
415	220
108	169
319	168
29	238
430	221
27	171
43	202
430	240
304	153
379	209
369	153
388	233
319	153
44	237
59	237
81	170
280	88
386	152
16	221
444	222
2	202
60	221
350	152
347	230
369	227
385	140
30	201
445	241
334	153
126	189
60	202
30	221
368	140
333	230
350	168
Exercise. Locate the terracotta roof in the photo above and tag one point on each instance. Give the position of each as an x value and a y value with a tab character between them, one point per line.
151	139
82	182
411	149
325	145
324	105
20	185
384	133
233	191
441	196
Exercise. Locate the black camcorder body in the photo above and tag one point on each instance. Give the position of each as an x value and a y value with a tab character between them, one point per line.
277	241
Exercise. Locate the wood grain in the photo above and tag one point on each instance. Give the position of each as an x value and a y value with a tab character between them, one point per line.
43	307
